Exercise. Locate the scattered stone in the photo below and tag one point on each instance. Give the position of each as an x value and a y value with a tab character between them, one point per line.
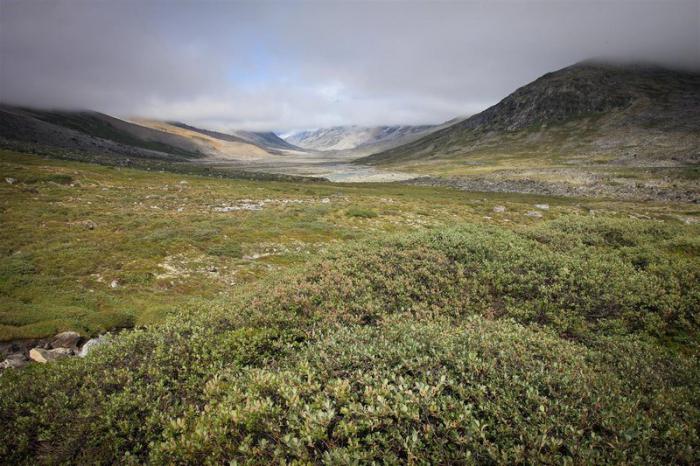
534	213
15	361
499	209
114	284
243	206
92	344
43	355
66	340
10	180
212	269
325	200
542	206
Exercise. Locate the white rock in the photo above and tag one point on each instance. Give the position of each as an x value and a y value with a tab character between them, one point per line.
10	180
92	344
534	213
542	206
114	284
499	209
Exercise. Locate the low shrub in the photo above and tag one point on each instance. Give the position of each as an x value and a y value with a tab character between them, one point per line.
473	344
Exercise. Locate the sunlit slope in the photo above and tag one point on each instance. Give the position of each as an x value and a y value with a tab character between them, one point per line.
213	145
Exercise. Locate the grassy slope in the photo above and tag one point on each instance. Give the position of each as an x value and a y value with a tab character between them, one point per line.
544	344
163	242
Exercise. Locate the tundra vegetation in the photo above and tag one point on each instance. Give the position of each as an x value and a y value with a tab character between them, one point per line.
275	321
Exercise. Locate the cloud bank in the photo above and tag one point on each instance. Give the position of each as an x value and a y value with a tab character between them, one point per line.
294	65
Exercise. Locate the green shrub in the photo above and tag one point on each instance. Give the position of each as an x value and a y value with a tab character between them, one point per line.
473	344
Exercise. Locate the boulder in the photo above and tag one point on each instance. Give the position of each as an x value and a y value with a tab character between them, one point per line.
534	213
499	209
15	361
43	356
65	340
542	206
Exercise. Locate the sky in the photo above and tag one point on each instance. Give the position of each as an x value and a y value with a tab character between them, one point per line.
292	65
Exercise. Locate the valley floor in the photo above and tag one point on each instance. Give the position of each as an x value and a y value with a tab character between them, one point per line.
335	323
89	248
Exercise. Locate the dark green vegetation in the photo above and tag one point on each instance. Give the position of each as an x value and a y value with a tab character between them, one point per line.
261	338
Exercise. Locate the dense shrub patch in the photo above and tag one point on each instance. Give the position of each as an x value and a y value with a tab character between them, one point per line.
475	344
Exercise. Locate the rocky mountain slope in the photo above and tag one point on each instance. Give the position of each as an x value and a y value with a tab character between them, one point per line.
618	114
356	137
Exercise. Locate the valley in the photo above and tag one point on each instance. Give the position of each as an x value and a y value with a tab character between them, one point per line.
515	287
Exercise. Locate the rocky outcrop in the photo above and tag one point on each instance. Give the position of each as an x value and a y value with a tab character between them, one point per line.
17	354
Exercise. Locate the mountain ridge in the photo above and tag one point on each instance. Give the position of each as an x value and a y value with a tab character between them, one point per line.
612	109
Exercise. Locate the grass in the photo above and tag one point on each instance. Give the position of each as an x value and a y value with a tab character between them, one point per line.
72	229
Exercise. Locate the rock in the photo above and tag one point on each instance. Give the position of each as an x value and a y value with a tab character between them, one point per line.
15	361
542	206
92	344
534	213
499	209
9	180
65	340
89	224
43	356
114	284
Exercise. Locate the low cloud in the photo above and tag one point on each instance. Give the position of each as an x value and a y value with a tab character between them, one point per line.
282	66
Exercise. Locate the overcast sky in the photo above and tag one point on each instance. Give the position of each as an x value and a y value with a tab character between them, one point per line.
296	65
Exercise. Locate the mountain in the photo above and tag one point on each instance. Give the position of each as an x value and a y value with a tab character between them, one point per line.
91	132
266	140
591	112
356	137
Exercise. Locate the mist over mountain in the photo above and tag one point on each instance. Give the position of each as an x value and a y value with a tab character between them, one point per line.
354	137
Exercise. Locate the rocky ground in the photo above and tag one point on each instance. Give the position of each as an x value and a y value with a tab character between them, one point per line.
19	353
594	186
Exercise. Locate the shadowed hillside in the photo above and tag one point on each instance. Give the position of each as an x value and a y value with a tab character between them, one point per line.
624	115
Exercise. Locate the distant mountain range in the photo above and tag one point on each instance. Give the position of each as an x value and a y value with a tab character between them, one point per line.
339	138
610	113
